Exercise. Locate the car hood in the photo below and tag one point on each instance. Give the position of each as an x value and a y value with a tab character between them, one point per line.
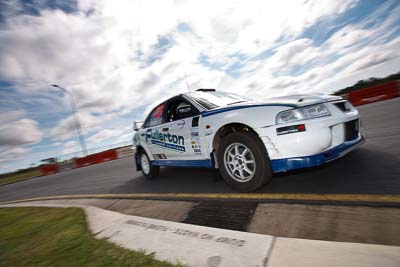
292	100
303	100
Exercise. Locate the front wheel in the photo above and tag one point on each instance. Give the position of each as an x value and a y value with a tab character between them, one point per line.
149	170
243	161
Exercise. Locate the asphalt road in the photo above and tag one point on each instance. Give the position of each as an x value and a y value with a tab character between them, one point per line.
374	168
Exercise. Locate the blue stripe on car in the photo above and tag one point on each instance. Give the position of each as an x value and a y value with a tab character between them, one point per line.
206	163
217	111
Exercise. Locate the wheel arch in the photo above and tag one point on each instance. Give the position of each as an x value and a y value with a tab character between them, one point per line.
232	133
231	127
138	150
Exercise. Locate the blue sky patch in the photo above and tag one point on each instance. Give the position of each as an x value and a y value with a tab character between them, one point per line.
164	43
205	60
184	27
325	27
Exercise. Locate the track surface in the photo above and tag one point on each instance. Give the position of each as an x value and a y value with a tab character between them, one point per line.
374	168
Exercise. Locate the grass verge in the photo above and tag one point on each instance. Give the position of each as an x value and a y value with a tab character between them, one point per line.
59	237
12	178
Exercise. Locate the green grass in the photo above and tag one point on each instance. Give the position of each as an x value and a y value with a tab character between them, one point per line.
11	178
59	237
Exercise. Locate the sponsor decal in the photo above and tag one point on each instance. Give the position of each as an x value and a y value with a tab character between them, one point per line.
195	140
181	124
291	129
166	140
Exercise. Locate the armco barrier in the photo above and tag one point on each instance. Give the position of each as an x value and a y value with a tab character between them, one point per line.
96	158
374	93
124	151
84	161
100	157
106	155
66	165
49	169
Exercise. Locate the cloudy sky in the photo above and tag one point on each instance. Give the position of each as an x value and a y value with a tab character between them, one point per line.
118	58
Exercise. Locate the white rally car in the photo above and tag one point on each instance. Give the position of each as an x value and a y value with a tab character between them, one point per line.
246	141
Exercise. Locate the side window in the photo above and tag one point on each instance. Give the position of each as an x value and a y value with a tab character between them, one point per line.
171	114
155	117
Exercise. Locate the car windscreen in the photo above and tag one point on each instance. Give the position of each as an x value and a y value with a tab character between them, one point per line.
211	100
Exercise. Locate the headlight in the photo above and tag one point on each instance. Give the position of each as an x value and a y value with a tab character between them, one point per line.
309	112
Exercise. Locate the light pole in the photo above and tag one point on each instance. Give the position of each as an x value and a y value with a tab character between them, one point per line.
76	118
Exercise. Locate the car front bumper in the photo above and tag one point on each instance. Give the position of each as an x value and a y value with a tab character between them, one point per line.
318	141
281	165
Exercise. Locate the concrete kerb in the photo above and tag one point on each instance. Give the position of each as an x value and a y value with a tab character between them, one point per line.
315	253
204	246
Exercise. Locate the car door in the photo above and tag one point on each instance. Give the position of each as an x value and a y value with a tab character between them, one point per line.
182	132
153	130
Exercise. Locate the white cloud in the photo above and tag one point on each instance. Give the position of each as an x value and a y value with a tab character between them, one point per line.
70	147
334	64
10	116
13	154
100	57
104	134
66	128
55	144
125	138
18	132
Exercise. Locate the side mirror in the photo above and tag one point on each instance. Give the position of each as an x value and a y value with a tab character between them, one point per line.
135	126
183	110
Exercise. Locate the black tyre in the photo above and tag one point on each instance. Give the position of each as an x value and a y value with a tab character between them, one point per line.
243	161
149	171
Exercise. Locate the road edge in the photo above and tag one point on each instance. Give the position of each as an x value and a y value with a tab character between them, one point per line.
317	199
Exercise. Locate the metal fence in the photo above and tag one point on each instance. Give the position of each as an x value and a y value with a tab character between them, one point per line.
67	157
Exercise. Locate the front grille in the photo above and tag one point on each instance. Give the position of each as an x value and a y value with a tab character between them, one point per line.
351	129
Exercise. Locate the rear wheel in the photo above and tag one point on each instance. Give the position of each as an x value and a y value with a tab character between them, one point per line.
149	170
243	161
